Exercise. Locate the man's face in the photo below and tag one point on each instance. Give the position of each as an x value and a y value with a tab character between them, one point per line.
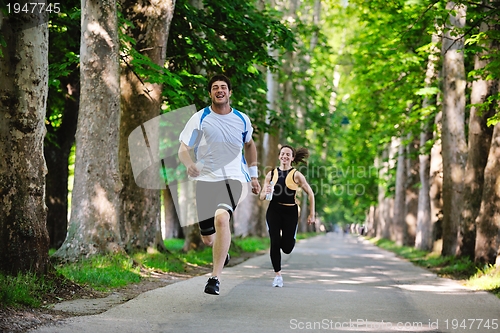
220	93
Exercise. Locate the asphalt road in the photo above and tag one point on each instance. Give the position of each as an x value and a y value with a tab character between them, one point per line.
331	284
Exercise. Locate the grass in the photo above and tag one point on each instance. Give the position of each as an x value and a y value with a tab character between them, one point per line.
251	244
23	290
480	278
488	279
106	272
102	272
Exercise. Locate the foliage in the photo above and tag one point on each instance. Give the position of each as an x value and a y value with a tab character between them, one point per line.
382	73
230	37
145	69
381	61
64	47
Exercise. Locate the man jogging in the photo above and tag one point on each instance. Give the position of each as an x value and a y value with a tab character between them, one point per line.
211	147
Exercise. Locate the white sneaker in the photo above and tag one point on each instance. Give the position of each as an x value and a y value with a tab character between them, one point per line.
278	281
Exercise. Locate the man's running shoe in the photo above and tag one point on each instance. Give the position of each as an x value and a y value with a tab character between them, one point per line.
228	257
278	281
212	286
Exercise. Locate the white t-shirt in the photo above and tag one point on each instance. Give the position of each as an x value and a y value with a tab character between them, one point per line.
217	141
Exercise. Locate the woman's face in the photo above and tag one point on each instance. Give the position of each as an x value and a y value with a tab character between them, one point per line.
286	155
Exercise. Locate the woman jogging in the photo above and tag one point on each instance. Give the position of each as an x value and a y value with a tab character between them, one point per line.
282	214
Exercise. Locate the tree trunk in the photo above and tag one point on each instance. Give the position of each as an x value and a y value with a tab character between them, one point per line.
141	101
436	185
411	195
479	146
187	194
57	158
453	135
191	230
172	227
302	114
385	208
24	240
94	224
488	221
371	222
423	237
399	226
269	152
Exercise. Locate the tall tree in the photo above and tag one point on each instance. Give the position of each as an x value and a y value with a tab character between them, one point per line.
479	141
57	153
411	188
487	241
94	224
62	114
399	225
209	39
24	240
141	101
453	135
436	181
487	248
423	237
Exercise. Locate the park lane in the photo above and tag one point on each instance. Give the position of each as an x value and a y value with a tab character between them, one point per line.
332	282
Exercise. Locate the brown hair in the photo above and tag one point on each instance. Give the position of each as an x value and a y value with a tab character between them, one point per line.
299	155
219	77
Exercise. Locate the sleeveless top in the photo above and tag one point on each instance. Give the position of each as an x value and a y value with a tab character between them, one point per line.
285	186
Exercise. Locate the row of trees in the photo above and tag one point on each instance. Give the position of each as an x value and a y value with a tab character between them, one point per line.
109	68
422	104
395	101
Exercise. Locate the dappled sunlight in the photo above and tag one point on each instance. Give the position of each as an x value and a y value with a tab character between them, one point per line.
368	279
342	290
349	270
442	288
102	205
348	282
328	275
97	30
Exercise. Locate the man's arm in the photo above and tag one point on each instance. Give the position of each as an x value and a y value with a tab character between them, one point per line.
251	157
185	158
251	153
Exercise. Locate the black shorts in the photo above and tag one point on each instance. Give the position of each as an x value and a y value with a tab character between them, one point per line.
211	196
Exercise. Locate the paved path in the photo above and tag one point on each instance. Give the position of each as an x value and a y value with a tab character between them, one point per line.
332	283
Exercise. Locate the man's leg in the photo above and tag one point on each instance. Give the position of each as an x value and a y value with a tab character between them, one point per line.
219	235
222	241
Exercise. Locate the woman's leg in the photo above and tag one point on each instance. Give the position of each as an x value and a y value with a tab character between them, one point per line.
289	228
273	226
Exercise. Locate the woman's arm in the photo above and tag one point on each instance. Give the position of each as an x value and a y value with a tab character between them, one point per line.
267	188
301	180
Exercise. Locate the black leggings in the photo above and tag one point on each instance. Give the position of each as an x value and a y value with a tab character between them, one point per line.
282	224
